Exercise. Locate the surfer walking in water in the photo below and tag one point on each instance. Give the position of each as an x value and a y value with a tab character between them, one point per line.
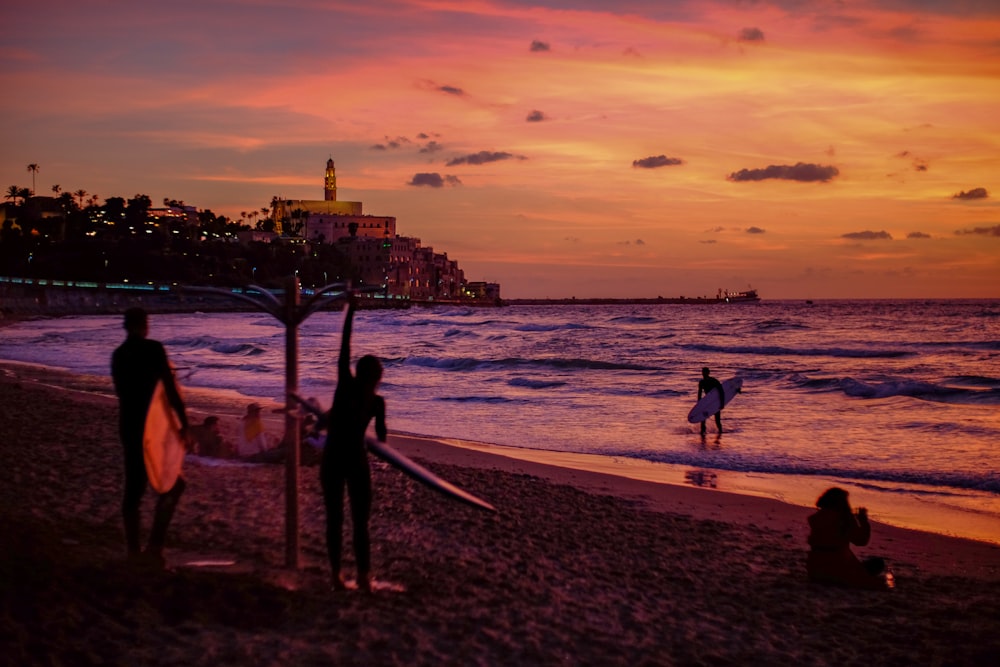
136	367
345	458
706	384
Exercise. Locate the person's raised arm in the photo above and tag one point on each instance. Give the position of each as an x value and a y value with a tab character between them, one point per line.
344	363
861	530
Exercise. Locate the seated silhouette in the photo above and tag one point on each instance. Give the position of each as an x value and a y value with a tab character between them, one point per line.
832	531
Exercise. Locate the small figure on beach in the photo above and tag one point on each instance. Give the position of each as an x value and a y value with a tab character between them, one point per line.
208	440
832	531
252	435
706	384
310	446
312	438
311	433
136	367
345	457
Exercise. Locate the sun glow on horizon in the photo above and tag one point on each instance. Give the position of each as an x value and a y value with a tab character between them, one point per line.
668	146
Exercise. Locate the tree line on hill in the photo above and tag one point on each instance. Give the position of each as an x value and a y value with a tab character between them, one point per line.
72	237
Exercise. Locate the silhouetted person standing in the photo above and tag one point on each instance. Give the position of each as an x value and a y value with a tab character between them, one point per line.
707	384
136	366
345	458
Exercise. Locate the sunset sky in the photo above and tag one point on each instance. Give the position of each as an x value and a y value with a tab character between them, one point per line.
811	149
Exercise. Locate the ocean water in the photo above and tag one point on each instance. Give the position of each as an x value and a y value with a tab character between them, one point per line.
898	401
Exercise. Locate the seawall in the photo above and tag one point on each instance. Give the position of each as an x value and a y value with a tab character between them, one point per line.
19	299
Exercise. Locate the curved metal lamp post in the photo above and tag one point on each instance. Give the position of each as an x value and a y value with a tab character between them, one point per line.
291	313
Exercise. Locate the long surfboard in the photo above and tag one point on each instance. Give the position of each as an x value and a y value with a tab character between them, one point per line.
410	467
163	448
709	404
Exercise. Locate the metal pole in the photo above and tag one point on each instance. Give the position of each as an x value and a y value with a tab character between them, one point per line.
292	425
288	313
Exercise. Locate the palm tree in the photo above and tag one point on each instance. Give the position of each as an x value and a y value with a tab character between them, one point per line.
14	193
66	201
56	188
81	194
33	168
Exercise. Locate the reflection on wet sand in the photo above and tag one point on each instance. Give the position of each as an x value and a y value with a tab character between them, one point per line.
705	478
715	444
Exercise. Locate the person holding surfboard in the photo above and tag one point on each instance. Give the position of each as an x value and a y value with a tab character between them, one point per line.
137	366
345	458
707	384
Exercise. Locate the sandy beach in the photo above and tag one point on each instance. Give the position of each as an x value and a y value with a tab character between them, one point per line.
579	567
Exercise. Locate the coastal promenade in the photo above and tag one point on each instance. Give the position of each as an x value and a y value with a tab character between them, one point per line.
23	297
44	298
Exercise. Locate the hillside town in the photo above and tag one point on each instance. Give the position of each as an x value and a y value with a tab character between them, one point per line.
70	237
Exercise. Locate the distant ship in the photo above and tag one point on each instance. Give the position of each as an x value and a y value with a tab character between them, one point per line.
737	297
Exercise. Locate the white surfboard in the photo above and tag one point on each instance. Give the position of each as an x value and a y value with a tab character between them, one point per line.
162	445
410	467
423	475
709	404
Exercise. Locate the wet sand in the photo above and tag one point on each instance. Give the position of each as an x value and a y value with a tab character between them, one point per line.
579	566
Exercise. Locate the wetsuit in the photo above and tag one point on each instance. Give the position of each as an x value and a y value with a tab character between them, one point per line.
136	366
705	385
345	459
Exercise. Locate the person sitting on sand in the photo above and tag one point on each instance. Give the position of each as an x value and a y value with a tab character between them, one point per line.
208	440
309	453
706	384
832	530
345	457
312	428
252	436
312	441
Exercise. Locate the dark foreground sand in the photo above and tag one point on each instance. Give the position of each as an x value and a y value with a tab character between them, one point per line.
578	568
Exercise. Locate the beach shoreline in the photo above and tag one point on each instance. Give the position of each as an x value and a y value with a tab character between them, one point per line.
578	567
796	491
662	487
888	507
